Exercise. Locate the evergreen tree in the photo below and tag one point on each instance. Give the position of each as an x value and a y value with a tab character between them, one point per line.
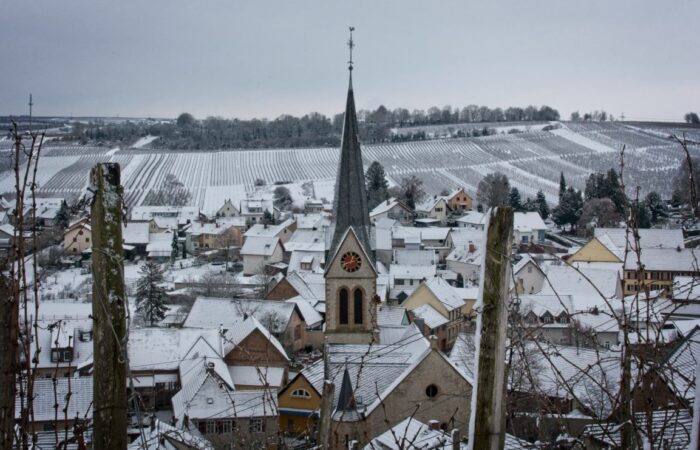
268	218
562	185
377	186
542	207
282	198
642	214
570	207
676	198
530	205
175	248
63	216
614	191
656	206
150	294
514	199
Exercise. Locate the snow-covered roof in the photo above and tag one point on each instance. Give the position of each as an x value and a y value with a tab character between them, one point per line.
135	233
671	427
258	376
430	316
301	259
311	221
421	234
412	433
308	313
260	246
686	288
406	272
648	237
382	238
307	239
388	315
474	218
164	348
444	292
210	312
386	206
539	304
221	226
414	257
262	230
78	403
428	205
566	280
239	331
526	222
679	368
181	213
666	259
160	434
463	255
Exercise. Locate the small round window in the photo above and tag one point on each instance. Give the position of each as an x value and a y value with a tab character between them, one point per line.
431	391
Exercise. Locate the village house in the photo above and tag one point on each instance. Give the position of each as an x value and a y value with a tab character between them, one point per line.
253	210
466	262
393	209
283	231
529	277
259	252
660	267
135	237
444	299
435	208
459	201
528	228
283	319
77	237
228	209
473	220
224	234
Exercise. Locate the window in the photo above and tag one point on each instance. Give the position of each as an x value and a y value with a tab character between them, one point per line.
398	282
256	426
607	344
358	306
343	306
547	318
431	391
211	426
301	393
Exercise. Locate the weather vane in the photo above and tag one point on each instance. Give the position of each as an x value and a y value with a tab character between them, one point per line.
351	44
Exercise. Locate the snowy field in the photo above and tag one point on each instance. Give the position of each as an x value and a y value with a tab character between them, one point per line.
532	160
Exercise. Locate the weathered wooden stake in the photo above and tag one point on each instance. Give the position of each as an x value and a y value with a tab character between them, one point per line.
108	309
487	422
324	423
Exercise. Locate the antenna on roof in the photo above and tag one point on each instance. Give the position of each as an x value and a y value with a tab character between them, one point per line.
351	45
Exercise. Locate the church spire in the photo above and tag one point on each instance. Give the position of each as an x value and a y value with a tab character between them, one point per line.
350	203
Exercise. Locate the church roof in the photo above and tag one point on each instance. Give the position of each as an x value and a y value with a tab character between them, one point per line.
350	203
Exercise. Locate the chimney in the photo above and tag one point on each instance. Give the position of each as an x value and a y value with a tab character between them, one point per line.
433	342
434	424
472	247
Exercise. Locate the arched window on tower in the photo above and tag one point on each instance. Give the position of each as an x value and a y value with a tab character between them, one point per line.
358	305
343	306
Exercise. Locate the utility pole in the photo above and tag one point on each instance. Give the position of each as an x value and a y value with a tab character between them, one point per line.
108	309
488	415
31	104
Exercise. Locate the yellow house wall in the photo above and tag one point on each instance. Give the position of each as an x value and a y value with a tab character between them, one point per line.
299	423
594	251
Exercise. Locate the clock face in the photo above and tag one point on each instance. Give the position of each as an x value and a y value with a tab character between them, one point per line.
351	262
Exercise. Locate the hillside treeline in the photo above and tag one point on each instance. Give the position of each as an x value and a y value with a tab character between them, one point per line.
311	130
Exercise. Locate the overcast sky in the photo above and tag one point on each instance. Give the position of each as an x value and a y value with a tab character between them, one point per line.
265	58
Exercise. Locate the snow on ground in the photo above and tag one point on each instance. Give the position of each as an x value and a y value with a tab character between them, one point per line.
112	152
582	140
48	167
66	283
144	141
215	196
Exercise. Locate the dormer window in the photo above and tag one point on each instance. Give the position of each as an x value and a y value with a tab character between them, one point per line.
301	393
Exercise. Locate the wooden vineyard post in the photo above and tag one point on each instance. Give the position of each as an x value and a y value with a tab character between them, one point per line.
108	309
487	423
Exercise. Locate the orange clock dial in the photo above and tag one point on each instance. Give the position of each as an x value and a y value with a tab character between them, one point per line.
351	261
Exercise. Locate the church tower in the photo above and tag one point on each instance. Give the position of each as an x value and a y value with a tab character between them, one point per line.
351	278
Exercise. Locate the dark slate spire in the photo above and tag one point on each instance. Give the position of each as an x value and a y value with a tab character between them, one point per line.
350	203
346	399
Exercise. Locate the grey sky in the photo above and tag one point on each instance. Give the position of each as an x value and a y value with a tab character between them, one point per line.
265	58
